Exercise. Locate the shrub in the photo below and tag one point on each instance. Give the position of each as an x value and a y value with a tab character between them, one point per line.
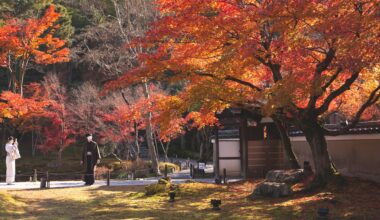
101	172
122	175
164	181
141	173
167	178
110	163
137	164
171	167
155	188
174	187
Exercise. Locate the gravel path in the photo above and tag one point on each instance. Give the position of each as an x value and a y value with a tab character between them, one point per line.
70	184
179	177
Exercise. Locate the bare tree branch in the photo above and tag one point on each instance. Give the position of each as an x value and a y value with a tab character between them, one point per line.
231	78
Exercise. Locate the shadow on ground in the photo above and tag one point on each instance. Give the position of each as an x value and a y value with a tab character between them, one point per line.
357	200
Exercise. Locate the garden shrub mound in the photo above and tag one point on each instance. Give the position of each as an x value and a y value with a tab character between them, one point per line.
278	183
171	167
165	180
163	185
156	188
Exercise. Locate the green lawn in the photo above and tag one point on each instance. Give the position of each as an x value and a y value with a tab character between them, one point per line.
357	200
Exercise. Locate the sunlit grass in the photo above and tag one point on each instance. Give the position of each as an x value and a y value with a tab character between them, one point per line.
357	200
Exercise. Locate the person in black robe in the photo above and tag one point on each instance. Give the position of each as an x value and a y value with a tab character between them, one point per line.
90	158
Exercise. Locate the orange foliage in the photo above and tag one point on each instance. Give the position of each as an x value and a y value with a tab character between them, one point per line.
33	38
14	108
37	113
30	40
290	55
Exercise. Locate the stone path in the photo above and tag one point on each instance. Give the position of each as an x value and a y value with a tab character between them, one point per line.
70	184
185	174
179	177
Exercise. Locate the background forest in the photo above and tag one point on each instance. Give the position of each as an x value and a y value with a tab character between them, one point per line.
68	88
76	67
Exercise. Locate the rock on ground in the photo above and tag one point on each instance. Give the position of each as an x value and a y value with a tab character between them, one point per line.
278	182
285	176
272	189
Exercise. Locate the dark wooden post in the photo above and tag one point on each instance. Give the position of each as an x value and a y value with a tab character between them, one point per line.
35	175
243	144
108	178
216	169
166	171
224	176
47	179
267	148
43	183
191	171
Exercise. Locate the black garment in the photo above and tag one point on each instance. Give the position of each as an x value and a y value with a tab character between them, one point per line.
90	157
89	176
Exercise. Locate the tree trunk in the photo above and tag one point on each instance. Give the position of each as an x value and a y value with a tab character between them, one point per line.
194	141
287	144
3	140
136	137
324	167
165	150
204	143
156	144
151	147
59	158
33	146
62	140
149	136
21	84
183	141
201	151
197	142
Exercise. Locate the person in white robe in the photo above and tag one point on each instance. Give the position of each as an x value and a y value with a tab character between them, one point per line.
12	154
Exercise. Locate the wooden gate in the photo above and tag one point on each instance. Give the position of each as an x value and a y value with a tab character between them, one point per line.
264	156
263	149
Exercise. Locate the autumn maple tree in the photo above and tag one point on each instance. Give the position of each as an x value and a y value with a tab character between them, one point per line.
41	111
17	111
56	124
30	41
143	109
292	60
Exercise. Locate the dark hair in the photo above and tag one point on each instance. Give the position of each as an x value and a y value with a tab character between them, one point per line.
10	138
87	135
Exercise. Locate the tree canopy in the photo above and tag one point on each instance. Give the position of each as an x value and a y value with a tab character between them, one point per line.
294	60
30	41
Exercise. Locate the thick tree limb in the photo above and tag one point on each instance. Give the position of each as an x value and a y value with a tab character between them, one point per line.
337	92
332	79
372	99
275	68
286	142
322	66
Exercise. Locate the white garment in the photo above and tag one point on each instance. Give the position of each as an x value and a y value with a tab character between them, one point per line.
11	164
